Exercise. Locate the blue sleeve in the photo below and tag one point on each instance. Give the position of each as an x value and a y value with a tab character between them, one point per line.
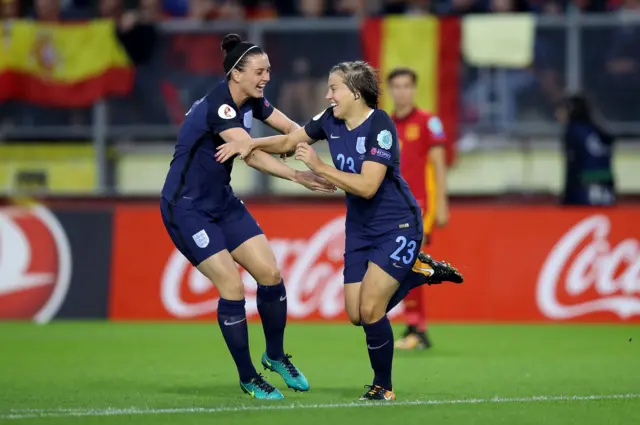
262	109
382	141
315	127
222	116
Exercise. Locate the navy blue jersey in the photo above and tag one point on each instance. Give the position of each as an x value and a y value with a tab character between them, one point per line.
195	179
393	206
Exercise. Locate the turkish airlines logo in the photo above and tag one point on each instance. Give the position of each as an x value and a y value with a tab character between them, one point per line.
35	264
311	268
585	274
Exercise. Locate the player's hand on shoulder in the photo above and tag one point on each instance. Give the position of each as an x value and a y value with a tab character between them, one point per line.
313	182
237	147
306	154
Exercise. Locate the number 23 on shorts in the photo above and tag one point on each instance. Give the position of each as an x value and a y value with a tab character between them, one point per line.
406	250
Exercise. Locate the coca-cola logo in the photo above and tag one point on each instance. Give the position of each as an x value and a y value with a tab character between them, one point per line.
35	264
585	274
312	270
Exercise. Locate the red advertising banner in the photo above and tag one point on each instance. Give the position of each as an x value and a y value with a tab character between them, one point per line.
521	264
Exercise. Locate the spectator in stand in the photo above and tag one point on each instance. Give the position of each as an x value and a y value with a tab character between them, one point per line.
347	8
462	7
549	62
408	7
9	9
53	11
302	95
136	30
312	8
175	8
259	9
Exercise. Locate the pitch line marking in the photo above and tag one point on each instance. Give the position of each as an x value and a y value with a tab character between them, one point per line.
68	413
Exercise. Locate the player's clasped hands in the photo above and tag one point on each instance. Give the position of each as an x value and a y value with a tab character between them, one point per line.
228	150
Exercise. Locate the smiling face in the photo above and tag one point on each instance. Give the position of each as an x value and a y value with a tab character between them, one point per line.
255	75
339	96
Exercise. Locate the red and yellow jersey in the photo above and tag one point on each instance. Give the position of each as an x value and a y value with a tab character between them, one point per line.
418	133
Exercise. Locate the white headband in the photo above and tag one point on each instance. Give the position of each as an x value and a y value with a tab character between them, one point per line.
240	58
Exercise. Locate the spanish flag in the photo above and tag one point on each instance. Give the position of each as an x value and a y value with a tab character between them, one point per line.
62	65
428	45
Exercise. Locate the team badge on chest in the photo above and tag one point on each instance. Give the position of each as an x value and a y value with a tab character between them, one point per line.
248	119
412	132
361	145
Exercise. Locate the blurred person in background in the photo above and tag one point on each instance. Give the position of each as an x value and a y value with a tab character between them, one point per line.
588	149
408	7
312	8
423	165
137	32
9	9
348	8
301	95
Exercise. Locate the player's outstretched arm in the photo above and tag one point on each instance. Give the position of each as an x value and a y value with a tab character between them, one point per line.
281	123
274	144
266	163
364	184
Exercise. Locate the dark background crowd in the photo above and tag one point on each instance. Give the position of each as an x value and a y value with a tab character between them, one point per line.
175	68
269	9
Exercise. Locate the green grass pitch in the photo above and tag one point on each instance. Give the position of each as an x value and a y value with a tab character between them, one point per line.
107	373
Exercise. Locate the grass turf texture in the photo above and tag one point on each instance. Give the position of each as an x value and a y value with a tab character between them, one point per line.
92	372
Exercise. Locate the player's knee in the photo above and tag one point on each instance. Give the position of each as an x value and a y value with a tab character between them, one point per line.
270	276
371	310
354	317
231	290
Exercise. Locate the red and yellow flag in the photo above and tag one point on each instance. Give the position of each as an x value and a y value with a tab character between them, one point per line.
428	45
62	65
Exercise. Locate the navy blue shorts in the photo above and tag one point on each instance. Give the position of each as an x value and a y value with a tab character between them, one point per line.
394	252
198	235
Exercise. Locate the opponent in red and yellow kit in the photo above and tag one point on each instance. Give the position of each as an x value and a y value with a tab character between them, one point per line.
419	132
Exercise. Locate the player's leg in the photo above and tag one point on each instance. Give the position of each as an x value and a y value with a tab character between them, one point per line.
377	288
428	271
356	260
391	260
352	301
202	242
251	249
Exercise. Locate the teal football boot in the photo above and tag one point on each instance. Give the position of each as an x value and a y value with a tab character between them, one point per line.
291	374
260	389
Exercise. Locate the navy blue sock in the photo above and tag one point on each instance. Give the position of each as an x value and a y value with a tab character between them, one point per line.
412	280
272	306
232	319
380	346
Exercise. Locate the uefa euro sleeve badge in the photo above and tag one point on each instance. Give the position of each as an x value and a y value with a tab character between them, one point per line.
385	139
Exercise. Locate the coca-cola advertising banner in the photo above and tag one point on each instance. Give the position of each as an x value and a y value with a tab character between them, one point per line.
521	264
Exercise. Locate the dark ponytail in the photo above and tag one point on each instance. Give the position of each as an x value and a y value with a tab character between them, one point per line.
237	52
